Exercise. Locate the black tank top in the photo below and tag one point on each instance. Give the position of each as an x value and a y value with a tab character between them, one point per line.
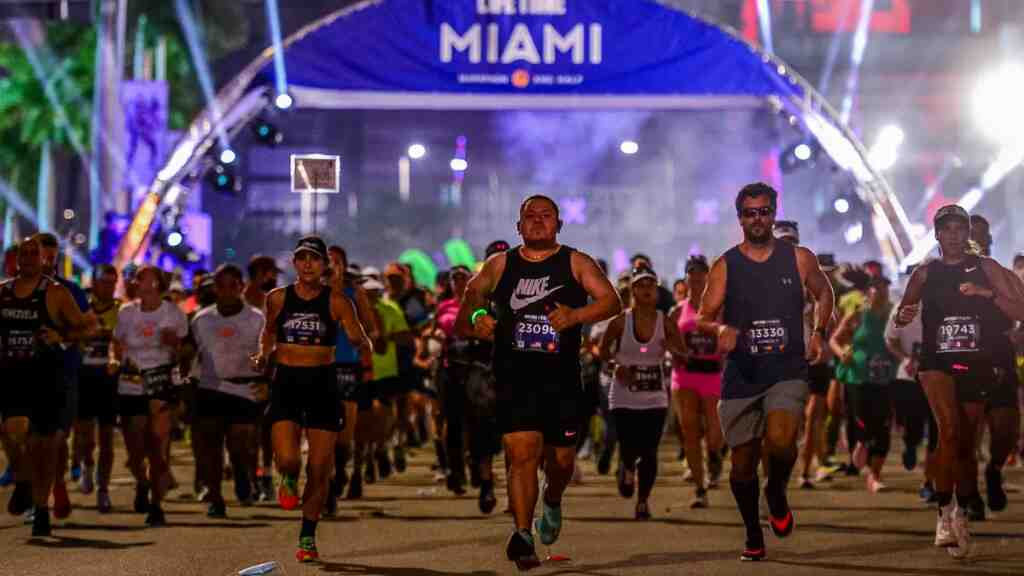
957	329
526	293
20	320
307	322
764	301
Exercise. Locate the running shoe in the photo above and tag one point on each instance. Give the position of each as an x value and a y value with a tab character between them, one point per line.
243	485
288	492
700	499
714	470
141	498
103	504
625	482
355	486
86	485
909	458
874	485
994	489
961	533
217	510
371	472
642	512
266	484
61	502
41	524
400	462
549	525
487	500
7	478
753	554
76	472
806	484
155	518
782	527
944	534
604	462
826	471
975	508
927	493
21	499
307	551
521	550
383	464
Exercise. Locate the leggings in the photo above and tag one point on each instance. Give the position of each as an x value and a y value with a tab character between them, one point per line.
912	410
639	433
868	415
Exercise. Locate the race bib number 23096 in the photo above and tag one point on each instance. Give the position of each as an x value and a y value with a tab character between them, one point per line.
534	333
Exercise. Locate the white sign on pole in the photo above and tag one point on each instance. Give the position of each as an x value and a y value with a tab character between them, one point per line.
316	173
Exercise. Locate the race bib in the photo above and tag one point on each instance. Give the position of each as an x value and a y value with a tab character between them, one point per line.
959	334
19	345
701	343
647	379
348	379
767	337
880	369
534	333
157	381
95	353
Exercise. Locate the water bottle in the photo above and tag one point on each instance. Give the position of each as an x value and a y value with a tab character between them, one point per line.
265	569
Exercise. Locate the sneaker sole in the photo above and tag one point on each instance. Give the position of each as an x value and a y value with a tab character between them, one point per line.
527	564
540	533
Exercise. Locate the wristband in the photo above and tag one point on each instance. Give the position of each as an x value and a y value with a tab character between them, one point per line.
476	314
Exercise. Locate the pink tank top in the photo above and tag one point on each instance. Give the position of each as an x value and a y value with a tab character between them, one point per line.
704	369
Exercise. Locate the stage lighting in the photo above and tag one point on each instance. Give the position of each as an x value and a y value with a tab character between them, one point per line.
417	151
459	164
854	233
223	180
997	106
629	147
283	101
227	156
266	133
797	155
887	148
802	152
842	205
174	239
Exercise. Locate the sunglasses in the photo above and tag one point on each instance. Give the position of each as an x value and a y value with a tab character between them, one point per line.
763	212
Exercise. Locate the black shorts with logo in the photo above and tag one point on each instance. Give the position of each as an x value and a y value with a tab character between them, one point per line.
545	402
97	395
307	396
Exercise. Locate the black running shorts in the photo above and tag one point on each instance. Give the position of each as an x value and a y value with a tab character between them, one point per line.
545	403
307	396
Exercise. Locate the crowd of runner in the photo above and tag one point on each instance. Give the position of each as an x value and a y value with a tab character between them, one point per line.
769	356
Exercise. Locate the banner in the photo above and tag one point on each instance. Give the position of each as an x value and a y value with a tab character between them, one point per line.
145	106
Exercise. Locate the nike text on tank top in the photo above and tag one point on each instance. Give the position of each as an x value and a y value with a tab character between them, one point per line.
20	320
764	301
307	322
225	345
957	329
96	350
646	360
344	351
526	343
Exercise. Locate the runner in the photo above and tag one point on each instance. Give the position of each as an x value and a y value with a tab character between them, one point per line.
348	364
144	352
961	299
98	402
635	344
758	287
37	318
866	368
539	291
299	337
231	395
263	272
697	385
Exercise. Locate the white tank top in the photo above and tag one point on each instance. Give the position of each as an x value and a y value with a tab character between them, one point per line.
647	361
224	346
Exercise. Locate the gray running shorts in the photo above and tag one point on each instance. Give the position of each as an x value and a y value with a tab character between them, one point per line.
744	419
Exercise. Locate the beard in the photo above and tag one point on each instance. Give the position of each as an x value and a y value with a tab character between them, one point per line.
754	238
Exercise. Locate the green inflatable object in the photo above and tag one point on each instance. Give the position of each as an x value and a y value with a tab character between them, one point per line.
458	252
423	270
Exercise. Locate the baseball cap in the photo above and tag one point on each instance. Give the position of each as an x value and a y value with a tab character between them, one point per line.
695	262
641	273
313	244
495	247
951	211
372	283
787	229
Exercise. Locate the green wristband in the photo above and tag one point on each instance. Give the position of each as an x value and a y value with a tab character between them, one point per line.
476	314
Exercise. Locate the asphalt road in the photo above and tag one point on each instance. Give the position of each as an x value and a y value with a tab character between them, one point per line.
407	525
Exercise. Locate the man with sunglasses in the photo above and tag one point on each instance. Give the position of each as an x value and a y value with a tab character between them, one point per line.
754	304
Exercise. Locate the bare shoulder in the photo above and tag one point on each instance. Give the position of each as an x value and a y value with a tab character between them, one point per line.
806	257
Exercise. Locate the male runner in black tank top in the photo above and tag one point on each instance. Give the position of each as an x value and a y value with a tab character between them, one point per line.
539	292
961	298
754	302
299	336
37	316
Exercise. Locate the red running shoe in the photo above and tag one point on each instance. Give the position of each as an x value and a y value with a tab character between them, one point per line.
753	555
307	550
782	527
288	493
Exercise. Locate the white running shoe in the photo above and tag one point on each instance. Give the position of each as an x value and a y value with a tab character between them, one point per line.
874	484
944	535
85	483
960	531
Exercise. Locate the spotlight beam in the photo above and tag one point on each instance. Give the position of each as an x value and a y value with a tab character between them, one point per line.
860	44
274	19
764	18
833	49
195	48
18	204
